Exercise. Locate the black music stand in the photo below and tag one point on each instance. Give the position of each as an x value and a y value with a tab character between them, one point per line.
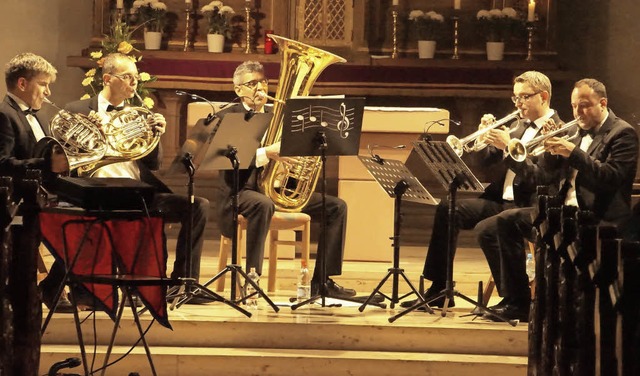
238	138
321	127
454	175
394	177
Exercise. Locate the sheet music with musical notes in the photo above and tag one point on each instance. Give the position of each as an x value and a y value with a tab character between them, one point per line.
332	119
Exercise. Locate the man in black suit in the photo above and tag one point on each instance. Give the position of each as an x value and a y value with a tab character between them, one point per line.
508	190
593	169
250	85
28	77
120	78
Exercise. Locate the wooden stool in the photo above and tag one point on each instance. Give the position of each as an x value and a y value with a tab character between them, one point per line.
488	290
280	221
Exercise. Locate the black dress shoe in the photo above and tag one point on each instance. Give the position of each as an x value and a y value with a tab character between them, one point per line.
334	290
428	295
510	312
47	296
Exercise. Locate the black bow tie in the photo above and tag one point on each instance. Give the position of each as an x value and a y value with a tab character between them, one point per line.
583	132
114	108
29	111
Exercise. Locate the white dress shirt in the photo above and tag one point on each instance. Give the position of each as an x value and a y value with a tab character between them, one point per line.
35	125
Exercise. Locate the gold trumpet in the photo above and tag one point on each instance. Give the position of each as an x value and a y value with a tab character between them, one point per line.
460	146
519	150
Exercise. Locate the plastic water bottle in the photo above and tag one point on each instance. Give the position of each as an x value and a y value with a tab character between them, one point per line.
252	301
304	288
530	267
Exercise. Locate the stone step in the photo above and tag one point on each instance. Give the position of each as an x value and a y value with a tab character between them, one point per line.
196	361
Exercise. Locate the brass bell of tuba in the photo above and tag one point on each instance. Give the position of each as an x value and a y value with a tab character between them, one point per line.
290	187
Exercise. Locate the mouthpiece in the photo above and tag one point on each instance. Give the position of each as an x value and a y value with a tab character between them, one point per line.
262	94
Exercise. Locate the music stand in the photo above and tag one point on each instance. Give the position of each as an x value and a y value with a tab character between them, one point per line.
238	138
394	177
454	175
321	127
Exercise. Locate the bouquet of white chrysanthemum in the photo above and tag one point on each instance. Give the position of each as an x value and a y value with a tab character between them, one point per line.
498	25
428	25
152	13
218	17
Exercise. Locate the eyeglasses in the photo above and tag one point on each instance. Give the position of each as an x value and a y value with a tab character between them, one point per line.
127	77
254	83
523	97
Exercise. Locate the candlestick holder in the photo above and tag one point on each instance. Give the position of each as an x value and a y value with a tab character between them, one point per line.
455	19
188	43
394	14
247	15
530	28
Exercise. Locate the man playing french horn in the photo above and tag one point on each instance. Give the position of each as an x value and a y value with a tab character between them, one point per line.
508	191
120	79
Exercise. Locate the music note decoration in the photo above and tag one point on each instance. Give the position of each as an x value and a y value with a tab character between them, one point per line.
333	119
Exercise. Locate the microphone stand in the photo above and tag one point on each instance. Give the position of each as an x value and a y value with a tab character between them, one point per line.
189	288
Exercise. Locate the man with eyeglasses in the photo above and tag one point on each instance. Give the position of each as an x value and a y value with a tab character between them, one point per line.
250	85
507	190
120	80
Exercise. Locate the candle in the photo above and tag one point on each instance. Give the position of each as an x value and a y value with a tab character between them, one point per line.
120	4
187	2
395	3
531	8
456	4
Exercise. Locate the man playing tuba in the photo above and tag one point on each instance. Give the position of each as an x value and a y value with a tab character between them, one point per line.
250	85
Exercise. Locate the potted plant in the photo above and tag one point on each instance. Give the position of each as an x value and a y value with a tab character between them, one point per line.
497	26
152	14
428	27
219	26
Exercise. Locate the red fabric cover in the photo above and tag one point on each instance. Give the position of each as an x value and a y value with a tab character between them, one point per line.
135	247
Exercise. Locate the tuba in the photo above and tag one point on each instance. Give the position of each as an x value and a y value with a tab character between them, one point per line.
126	135
290	187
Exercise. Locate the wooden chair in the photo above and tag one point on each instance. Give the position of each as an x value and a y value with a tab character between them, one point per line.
280	221
488	290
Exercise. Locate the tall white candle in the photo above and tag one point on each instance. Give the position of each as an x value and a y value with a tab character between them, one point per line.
531	11
187	2
456	4
395	2
120	4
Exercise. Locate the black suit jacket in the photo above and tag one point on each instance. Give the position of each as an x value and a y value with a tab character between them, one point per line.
524	185
146	164
17	141
606	171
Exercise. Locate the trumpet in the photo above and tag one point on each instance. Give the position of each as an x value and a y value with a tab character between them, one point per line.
519	150
460	146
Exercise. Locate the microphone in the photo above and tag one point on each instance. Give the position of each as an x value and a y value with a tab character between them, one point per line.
193	96
425	134
262	94
376	157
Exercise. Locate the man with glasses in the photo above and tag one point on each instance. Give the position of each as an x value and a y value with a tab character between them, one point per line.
120	80
250	85
508	190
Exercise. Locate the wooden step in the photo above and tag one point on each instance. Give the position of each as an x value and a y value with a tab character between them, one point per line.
196	361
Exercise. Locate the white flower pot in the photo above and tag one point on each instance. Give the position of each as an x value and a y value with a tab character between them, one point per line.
495	50
152	40
215	42
426	49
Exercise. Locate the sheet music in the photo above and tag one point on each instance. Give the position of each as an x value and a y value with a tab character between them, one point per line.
333	119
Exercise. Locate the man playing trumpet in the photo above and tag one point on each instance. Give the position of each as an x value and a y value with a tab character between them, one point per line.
531	97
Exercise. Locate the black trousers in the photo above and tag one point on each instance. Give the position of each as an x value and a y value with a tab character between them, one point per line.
258	210
469	213
502	239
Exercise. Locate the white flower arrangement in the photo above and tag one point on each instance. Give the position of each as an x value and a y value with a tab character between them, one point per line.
428	25
498	24
218	16
152	13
